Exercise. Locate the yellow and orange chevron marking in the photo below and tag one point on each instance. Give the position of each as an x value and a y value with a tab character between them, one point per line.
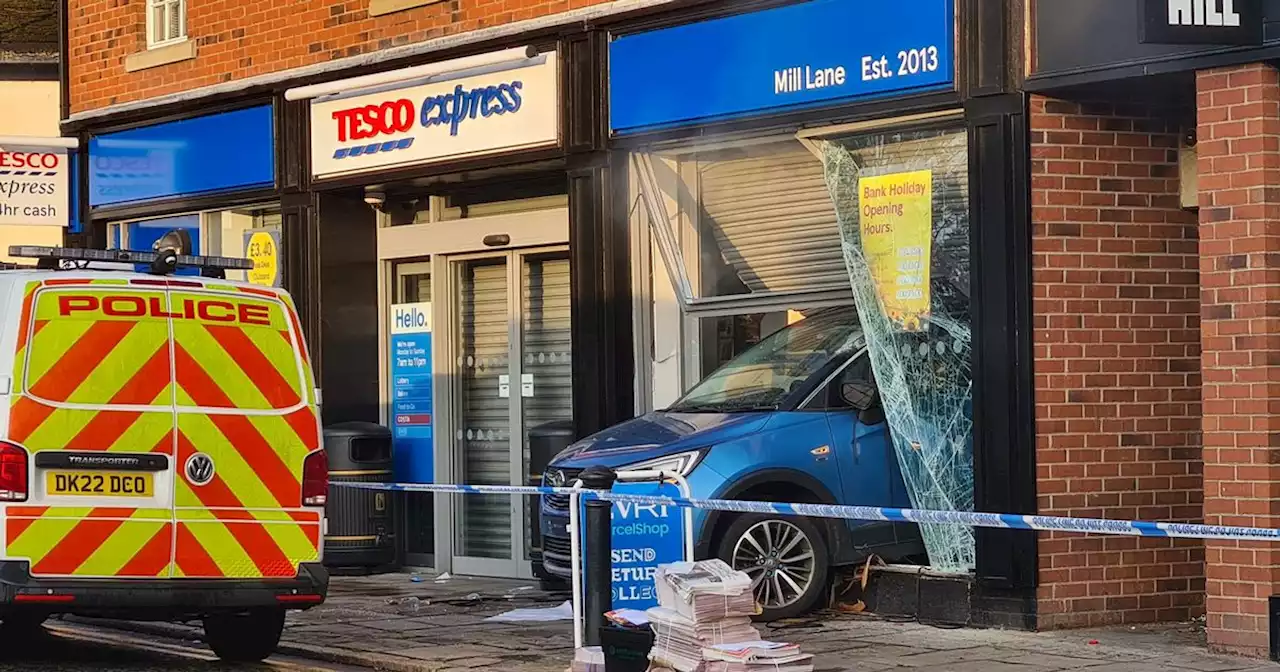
101	381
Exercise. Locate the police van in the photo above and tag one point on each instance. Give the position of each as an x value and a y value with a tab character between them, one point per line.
160	453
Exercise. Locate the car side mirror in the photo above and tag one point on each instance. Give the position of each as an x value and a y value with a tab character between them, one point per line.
861	395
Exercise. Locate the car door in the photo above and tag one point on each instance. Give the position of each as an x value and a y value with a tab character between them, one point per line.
861	441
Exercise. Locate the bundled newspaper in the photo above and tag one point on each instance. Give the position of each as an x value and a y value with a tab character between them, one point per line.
700	604
757	656
705	591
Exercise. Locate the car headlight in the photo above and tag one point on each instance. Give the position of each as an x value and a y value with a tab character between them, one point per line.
679	463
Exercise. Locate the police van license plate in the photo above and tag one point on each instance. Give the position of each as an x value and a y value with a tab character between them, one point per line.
99	484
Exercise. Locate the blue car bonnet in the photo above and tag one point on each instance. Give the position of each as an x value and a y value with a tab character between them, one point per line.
658	434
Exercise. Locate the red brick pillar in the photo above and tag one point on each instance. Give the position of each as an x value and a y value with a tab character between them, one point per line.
1238	112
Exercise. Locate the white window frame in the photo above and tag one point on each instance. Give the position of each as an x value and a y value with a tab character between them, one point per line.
152	5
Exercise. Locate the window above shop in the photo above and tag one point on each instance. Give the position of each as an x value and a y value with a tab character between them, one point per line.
166	22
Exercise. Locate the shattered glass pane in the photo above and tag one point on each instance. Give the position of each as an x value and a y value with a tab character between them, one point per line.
902	204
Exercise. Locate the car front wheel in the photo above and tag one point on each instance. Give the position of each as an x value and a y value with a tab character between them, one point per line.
244	638
786	558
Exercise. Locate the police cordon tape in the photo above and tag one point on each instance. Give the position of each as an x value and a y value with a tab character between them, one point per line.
1004	521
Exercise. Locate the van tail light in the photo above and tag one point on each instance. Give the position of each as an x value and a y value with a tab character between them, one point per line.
13	473
315	479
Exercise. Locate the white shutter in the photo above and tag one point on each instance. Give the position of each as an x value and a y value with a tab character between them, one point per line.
772	219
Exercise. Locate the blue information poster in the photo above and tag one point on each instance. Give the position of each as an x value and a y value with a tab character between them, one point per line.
644	536
411	412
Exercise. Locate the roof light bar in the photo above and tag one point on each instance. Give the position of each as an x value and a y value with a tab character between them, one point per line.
126	256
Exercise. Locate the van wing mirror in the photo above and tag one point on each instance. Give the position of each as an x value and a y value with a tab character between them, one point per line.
861	395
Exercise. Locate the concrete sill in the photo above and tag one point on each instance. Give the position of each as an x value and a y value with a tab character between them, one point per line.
154	58
381	7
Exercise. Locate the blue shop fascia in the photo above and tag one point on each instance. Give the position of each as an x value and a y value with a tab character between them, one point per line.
740	143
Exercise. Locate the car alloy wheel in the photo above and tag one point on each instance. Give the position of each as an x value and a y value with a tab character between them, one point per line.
780	559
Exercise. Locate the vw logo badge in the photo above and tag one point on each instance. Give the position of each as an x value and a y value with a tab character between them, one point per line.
199	469
555	478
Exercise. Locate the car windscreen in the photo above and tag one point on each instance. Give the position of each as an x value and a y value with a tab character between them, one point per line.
761	378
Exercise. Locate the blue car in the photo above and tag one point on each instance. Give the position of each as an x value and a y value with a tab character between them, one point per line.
796	418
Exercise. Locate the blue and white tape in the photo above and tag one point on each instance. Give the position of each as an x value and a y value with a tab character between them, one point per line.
1007	521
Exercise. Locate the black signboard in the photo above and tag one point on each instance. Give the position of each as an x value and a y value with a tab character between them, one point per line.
1222	22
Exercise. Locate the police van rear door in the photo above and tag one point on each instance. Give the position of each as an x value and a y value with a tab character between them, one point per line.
247	424
93	404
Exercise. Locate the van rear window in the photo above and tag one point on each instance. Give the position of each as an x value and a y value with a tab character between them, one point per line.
106	346
234	351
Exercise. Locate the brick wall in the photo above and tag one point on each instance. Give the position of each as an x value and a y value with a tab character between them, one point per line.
238	38
1117	343
1239	160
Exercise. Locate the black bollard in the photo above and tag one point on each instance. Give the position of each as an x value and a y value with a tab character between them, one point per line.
597	533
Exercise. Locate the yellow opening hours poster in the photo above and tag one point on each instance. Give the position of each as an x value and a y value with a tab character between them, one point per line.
896	225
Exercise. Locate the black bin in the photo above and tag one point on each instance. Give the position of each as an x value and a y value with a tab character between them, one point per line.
626	649
545	442
361	522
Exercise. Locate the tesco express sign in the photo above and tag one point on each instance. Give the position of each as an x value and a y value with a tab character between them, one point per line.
34	186
503	110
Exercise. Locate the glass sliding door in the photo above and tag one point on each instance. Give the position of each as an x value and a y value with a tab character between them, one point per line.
512	354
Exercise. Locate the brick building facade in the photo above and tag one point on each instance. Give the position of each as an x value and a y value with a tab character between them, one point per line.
1153	323
1117	317
233	41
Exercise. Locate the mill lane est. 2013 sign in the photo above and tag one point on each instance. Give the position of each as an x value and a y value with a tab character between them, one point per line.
484	111
1221	22
812	53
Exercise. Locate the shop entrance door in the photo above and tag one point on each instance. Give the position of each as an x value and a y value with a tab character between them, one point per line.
499	366
512	356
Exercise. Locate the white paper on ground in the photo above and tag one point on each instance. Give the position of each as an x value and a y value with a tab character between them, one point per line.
563	612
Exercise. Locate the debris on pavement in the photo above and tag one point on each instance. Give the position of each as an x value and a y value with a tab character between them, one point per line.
564	612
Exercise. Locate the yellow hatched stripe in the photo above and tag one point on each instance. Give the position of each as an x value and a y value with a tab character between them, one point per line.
108	281
278	351
119	548
40	538
293	542
270	516
233	470
219	366
122	364
63	425
80	512
51	343
225	551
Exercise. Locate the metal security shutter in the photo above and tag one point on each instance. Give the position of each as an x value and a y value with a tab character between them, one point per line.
548	342
771	217
547	354
486	440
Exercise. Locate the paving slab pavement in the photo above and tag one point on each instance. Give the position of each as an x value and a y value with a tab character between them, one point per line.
416	623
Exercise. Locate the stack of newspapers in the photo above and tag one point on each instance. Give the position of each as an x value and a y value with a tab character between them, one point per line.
703	624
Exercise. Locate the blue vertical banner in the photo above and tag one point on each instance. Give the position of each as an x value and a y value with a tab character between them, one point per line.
412	423
643	537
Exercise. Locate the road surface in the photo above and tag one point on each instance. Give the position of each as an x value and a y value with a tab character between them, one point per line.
76	647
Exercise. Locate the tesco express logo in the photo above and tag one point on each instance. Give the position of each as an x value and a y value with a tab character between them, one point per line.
37	161
371	122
